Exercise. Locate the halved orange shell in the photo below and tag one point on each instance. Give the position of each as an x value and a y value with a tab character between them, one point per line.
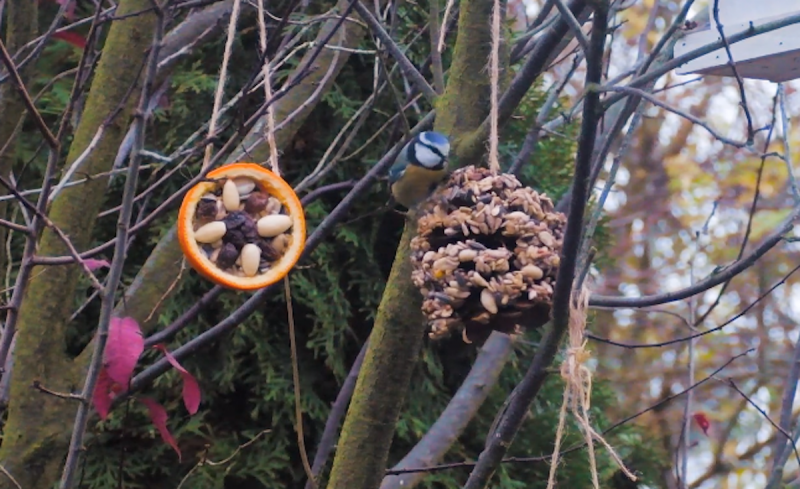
269	183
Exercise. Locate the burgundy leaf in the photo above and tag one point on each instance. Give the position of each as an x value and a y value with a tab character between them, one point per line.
102	397
702	421
73	38
191	389
93	264
125	345
158	415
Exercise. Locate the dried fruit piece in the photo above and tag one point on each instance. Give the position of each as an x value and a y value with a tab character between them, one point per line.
227	256
255	203
207	208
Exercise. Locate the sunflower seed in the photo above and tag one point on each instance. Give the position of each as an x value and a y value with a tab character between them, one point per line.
532	271
488	301
467	255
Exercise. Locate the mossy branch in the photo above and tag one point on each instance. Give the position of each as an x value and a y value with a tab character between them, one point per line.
396	338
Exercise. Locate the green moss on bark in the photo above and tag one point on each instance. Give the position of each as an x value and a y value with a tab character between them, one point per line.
394	345
465	103
38	427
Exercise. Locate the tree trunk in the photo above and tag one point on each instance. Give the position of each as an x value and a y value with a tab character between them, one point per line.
38	427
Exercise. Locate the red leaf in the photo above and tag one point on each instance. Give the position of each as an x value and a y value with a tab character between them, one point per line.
702	421
125	345
102	397
158	415
93	264
73	38
191	389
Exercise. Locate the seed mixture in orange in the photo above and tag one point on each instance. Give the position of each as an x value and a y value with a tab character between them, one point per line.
243	229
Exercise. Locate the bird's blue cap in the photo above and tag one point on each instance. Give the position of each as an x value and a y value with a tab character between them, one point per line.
434	138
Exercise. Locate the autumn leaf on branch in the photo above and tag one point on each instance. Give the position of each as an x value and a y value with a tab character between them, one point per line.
123	349
191	389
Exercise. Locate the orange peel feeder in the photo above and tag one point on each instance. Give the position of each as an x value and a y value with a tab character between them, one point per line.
245	229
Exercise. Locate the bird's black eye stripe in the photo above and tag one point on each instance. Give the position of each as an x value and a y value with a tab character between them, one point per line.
434	149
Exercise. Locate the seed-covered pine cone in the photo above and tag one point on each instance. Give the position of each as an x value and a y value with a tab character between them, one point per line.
486	255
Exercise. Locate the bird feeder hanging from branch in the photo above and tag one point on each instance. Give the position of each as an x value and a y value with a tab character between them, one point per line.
243	228
773	56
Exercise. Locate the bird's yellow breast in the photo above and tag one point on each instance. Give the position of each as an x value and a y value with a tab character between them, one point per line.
416	184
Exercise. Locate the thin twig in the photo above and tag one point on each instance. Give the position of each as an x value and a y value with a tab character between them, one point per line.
786	415
766	416
117	264
223	76
26	98
573	24
787	153
61	395
406	66
750	132
298	402
10	477
727	273
436	55
662	344
338	410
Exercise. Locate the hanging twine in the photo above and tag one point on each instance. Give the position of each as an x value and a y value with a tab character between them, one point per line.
578	393
494	70
270	128
223	76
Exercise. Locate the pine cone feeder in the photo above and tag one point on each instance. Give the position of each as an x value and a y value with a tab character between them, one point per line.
486	255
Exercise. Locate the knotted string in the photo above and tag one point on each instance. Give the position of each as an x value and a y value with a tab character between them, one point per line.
578	393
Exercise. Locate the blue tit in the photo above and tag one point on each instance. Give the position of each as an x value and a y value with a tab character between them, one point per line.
419	167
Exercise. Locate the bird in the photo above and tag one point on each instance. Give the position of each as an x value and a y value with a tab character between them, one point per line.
418	169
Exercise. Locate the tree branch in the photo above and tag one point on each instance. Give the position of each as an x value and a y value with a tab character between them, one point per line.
459	412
